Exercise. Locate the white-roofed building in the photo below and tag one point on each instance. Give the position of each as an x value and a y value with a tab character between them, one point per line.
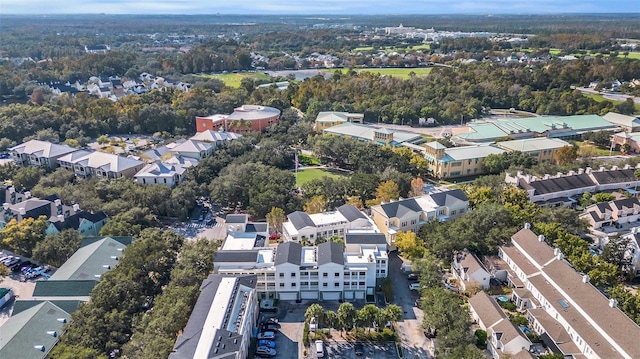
161	173
301	225
543	149
36	153
379	136
216	137
326	119
194	149
100	164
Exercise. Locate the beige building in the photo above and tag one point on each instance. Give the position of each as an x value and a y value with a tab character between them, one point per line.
328	119
410	214
457	161
542	149
625	122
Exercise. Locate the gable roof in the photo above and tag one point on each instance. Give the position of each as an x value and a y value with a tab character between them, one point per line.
330	252
64	288
107	162
559	184
289	252
400	208
68	306
91	261
300	220
192	146
614	176
530	243
449	198
74	221
42	149
350	212
215	136
27	329
486	308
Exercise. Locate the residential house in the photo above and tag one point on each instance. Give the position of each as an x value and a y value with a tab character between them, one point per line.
572	317
562	189
194	149
222	321
457	161
618	140
503	337
161	173
86	223
75	279
620	211
301	225
410	214
50	207
543	149
32	333
469	271
216	137
100	164
37	153
326	119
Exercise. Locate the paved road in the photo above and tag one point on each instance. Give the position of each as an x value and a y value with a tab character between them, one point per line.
414	343
610	96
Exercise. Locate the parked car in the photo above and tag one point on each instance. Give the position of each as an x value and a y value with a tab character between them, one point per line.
265	352
359	349
266	335
412	276
267	343
414	286
417	303
270	326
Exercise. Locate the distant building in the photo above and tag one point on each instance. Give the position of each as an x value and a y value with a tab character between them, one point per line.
100	164
37	153
246	118
328	119
460	161
97	49
379	136
543	149
223	320
625	122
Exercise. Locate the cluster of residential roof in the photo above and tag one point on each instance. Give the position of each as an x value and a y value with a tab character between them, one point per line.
36	323
167	164
18	205
114	87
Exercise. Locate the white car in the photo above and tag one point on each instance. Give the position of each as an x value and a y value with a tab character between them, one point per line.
414	286
266	335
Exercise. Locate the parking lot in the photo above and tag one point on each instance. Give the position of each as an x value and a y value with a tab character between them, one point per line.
345	350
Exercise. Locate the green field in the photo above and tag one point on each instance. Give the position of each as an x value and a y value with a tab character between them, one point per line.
601	98
399	72
307	175
234	79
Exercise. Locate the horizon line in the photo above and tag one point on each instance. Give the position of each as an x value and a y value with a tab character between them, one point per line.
327	14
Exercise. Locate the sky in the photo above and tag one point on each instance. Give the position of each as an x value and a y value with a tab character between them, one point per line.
303	7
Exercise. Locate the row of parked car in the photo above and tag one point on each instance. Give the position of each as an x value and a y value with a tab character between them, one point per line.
29	270
266	338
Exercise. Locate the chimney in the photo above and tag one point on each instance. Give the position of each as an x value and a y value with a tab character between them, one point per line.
527	226
52	333
580	171
519	173
571	173
614	168
634	230
62	320
541	238
627	167
585	278
546	176
613	303
60	218
22	210
57	202
601	169
76	207
587	170
559	174
556	251
39	347
559	256
27	194
5	206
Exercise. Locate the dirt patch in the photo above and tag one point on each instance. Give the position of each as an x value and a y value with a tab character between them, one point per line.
22	291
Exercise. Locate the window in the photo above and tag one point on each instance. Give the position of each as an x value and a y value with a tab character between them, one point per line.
281	285
336	284
361	283
293	284
293	275
281	275
337	274
363	273
324	284
325	275
304	283
453	213
456	164
382	271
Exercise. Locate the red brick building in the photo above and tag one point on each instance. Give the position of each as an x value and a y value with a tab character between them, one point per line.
247	118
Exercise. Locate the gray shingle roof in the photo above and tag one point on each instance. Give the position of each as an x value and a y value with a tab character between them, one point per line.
330	252
300	220
235	256
350	212
400	208
565	183
449	198
75	220
365	238
614	176
236	218
289	252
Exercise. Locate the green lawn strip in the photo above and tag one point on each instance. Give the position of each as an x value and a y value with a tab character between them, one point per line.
306	175
399	72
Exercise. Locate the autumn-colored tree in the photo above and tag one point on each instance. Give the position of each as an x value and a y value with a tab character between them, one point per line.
387	191
417	187
566	155
409	245
355	201
21	237
275	218
316	204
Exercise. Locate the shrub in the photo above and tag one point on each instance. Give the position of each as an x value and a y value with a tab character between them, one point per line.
305	333
508	306
481	338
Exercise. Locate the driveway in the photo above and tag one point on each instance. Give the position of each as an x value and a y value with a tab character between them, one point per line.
345	350
291	318
414	343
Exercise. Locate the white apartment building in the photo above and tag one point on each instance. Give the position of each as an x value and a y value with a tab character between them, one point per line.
572	316
222	320
291	271
301	225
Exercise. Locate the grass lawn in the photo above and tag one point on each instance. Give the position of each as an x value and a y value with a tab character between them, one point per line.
402	73
601	98
306	175
234	79
395	48
599	151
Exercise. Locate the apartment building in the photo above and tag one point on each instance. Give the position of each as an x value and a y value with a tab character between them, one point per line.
561	189
455	162
572	316
291	271
621	211
410	214
37	153
20	205
99	164
543	149
301	225
222	321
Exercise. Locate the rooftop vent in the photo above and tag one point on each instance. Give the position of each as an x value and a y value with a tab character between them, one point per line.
53	333
527	226
585	278
115	258
106	266
541	238
62	320
39	347
613	303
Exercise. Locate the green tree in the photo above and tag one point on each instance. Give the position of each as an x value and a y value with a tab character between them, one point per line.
394	313
315	310
275	218
368	315
316	204
616	252
22	237
4	270
603	197
27	177
387	191
444	312
346	316
56	249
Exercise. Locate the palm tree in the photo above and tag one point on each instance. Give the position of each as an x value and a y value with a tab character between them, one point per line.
346	316
331	319
394	313
368	314
315	310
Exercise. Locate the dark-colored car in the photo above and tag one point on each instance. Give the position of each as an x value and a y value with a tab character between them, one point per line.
267	343
359	349
270	326
412	276
265	352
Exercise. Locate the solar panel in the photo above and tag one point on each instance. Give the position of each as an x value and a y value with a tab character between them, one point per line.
563	304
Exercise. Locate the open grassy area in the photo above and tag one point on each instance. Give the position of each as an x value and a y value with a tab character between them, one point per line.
395	48
234	79
599	151
399	72
601	98
306	175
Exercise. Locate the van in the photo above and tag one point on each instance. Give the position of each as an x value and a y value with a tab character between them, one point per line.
320	348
